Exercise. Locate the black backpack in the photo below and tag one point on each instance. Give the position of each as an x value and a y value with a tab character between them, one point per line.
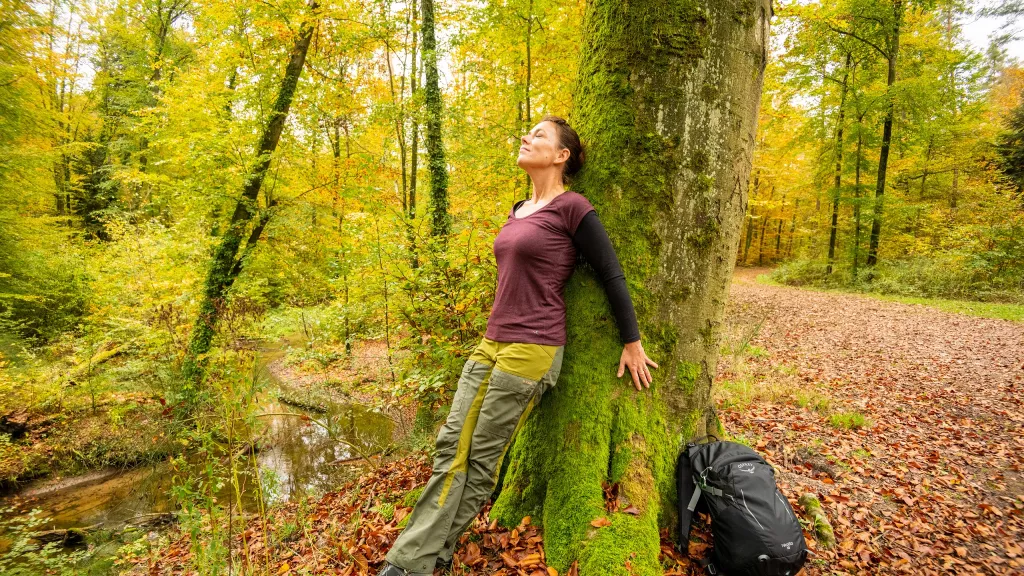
755	530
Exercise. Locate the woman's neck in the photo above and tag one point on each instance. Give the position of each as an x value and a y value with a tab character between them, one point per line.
546	187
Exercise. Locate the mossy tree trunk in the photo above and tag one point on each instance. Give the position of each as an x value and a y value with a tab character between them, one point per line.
440	219
247	221
667	102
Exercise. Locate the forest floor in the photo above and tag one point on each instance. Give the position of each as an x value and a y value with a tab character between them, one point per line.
904	420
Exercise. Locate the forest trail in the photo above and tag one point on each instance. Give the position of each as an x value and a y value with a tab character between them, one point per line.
932	482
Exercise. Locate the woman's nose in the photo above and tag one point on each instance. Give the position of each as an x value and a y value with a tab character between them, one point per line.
523	139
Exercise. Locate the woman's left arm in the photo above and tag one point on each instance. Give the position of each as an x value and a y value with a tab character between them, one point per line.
591	240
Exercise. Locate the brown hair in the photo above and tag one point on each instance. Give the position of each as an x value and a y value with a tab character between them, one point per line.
568	138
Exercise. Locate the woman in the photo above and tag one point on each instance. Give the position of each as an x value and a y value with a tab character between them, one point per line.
520	355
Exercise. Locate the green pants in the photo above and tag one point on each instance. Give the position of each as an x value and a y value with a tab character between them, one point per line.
500	384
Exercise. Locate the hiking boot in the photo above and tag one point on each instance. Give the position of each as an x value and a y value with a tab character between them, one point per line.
390	569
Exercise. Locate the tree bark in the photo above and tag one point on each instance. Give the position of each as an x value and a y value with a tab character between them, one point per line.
440	219
856	193
414	157
760	244
833	232
666	99
224	268
883	154
750	236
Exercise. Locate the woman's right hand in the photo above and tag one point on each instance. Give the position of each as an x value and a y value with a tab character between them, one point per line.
634	358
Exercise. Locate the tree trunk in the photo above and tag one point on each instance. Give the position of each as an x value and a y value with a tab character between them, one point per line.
440	219
883	155
224	268
792	228
666	100
760	244
833	232
778	242
750	236
414	156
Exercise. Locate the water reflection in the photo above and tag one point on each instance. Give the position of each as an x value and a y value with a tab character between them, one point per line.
300	456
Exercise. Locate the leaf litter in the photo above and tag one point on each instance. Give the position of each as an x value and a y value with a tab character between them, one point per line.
928	481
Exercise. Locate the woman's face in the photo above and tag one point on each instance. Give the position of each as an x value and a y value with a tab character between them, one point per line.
540	147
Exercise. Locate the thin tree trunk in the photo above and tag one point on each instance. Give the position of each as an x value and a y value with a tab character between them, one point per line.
833	233
778	241
414	156
924	173
440	219
750	236
857	198
529	62
398	100
760	245
792	229
224	268
883	155
666	99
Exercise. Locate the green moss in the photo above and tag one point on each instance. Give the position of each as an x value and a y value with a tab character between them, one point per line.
623	548
687	375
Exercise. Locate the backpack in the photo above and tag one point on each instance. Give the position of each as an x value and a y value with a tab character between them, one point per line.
755	530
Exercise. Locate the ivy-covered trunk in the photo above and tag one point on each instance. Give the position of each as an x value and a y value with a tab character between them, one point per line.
666	103
247	221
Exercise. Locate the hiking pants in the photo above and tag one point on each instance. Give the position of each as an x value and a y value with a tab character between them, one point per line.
500	384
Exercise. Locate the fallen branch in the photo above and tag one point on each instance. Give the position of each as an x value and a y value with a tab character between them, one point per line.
66	536
315	408
822	527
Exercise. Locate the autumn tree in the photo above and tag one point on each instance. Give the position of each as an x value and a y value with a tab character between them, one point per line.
247	220
667	98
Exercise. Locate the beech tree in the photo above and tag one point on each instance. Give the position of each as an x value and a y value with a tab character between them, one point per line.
666	99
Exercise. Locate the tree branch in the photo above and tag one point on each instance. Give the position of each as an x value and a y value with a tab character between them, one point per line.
864	40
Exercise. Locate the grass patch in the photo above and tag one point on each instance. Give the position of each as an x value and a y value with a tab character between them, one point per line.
413	496
849	420
812	400
861	454
997	310
1011	312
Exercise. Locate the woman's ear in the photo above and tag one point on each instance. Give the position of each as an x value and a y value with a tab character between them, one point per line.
562	158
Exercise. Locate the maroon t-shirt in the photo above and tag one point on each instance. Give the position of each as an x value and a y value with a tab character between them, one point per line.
535	257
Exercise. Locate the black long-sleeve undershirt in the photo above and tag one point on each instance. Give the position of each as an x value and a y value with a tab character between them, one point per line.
594	247
591	240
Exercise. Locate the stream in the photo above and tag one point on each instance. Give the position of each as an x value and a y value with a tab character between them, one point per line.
297	459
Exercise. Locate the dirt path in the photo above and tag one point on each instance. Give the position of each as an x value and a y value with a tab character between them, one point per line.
932	482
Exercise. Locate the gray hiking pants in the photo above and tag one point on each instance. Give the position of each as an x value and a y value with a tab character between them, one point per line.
500	384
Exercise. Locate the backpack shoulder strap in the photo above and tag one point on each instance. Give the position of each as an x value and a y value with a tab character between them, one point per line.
689	495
